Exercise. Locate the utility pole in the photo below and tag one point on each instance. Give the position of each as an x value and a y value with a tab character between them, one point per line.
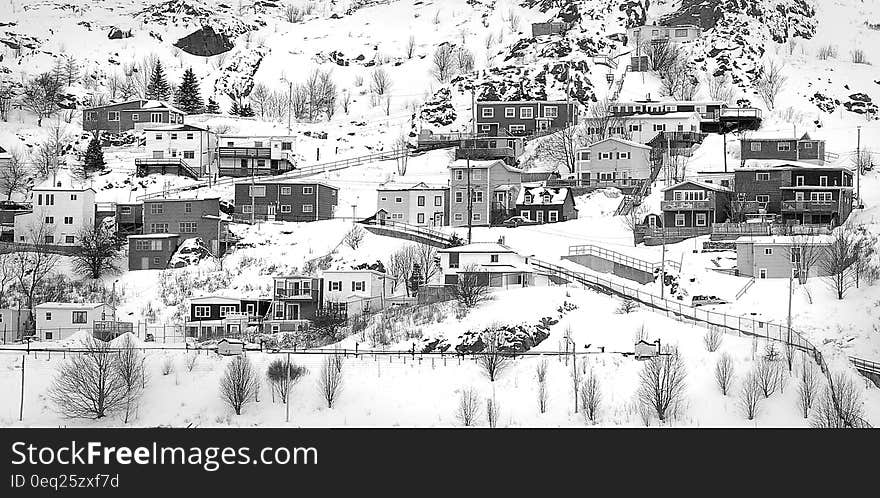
663	266
790	280
253	182
289	96
858	164
21	406
470	194
725	149
287	387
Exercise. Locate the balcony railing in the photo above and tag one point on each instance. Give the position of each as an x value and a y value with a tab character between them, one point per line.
740	112
750	207
702	205
477	153
809	206
255	152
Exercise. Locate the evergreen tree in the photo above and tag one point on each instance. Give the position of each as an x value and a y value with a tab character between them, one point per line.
235	110
94	156
188	97
158	87
246	111
213	107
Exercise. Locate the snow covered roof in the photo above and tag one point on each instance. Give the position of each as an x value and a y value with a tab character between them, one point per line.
709	186
540	195
214	299
62	180
781	164
180	127
463	163
395	186
670	115
154	236
670	102
64	306
154	105
292	182
111	104
786	240
500	268
621	141
478	247
767	136
363	270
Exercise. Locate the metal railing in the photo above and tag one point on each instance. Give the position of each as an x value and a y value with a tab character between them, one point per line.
403	228
745	288
809	206
617	257
699	205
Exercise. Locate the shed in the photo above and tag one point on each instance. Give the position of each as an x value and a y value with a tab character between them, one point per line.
645	350
230	347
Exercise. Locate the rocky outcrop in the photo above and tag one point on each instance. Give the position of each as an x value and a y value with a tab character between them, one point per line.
118	34
205	42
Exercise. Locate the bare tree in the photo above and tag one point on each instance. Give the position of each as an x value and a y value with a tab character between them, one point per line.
662	55
805	253
712	339
662	383
472	287
601	123
465	60
634	220
410	46
492	359
346	101
380	81
33	266
493	412
259	97
840	406
679	82
14	175
724	373
240	383
402	143
428	262
88	385
330	380
591	398
750	396
443	64
841	256
400	264
129	367
282	376
97	252
720	87
767	373
541	376
41	96
354	237
808	390
191	360
769	82
7	96
468	407
560	148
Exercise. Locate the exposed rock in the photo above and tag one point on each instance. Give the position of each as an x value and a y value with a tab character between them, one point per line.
205	42
191	252
118	34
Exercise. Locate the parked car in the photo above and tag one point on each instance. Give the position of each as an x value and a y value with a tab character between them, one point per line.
705	300
149	338
518	221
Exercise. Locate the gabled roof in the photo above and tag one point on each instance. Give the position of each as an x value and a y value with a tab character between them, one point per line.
287	183
212	298
557	195
708	186
782	165
180	127
62	180
111	104
786	240
394	186
153	105
57	305
619	140
362	270
668	115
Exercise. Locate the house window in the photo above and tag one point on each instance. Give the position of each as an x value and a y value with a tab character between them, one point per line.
125	210
808	145
286	190
795	255
821	197
517	128
823	181
585	155
257	190
68	220
553	216
485	127
493	258
158	227
604	155
335	286
91	116
286	145
261	163
420	200
258	144
475	174
659	127
358	286
190	136
681	33
48	336
487	112
48	316
247	209
225	310
285	208
68	239
783	146
459	196
551	112
308	208
763	199
768	251
762	177
78	317
459	174
202	311
438	200
420	218
308	190
799	181
50	199
189	154
188	226
700	220
174	136
157	208
113	116
478	196
679	220
623	155
762	273
155	117
458	217
158	136
526	113
525	214
50	220
635	127
509	112
477	217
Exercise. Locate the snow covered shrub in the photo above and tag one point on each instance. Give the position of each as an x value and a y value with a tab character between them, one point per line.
283	376
591	398
724	373
712	339
493	412
808	389
354	237
827	52
191	360
750	395
858	56
168	365
627	307
468	407
662	384
840	406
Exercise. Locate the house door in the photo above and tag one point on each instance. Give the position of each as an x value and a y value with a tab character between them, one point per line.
233	329
539	216
145	263
291	311
799	196
271	213
543	124
158	154
438	219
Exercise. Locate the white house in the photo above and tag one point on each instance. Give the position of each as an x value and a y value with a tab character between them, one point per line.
679	33
12	323
5	157
57	321
248	155
420	204
613	160
351	291
62	208
495	265
642	128
193	145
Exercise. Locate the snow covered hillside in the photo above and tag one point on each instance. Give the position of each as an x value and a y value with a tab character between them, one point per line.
381	56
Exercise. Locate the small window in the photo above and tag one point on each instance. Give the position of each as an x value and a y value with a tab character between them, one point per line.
783	146
438	200
308	208
50	220
68	220
420	200
174	136
509	112
764	198
487	112
762	273
285	208
551	111
553	216
286	190
48	336
189	154
679	220
458	217
158	136
493	258
526	113
190	136
700	219
477	217
286	145
768	251
823	181
459	196
681	33
762	177
113	116
247	209
48	316
257	191
78	317
187	207
308	190
125	210
420	218
157	208
808	145
135	117
398	200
